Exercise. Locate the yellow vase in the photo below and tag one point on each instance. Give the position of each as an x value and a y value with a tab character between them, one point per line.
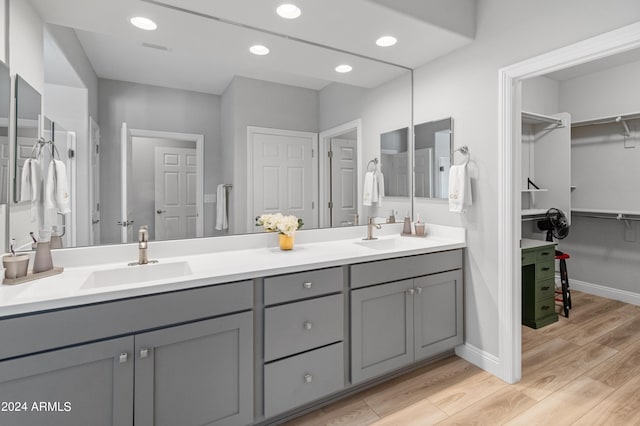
286	242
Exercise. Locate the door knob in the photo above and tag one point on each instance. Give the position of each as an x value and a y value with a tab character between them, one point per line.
94	221
160	211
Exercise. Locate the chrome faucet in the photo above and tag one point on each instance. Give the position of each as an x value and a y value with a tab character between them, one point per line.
143	244
370	226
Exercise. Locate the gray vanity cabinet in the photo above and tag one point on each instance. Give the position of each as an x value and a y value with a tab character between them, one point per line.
89	384
381	329
397	323
196	374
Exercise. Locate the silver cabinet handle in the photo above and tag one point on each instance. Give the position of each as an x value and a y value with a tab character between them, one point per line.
308	325
411	291
307	285
308	378
419	290
144	353
123	357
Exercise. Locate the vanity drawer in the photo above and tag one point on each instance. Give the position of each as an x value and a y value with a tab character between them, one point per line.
528	257
49	330
300	326
294	381
547	253
286	288
544	308
545	270
382	271
544	289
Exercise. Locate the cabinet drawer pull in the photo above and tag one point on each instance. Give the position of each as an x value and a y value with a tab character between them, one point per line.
545	253
544	288
144	353
308	378
411	291
545	308
123	357
307	285
308	325
419	290
545	268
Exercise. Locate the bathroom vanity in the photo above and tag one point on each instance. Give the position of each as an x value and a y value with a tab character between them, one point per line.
255	340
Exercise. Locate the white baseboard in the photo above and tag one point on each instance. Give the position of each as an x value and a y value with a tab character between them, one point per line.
603	291
488	362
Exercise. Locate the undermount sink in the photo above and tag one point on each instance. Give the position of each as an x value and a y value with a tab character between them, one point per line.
137	274
390	243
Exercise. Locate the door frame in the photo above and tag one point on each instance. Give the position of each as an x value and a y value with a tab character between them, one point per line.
251	130
324	141
187	137
508	366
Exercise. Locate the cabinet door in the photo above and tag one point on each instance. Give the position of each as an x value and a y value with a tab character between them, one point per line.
381	329
438	313
196	374
85	385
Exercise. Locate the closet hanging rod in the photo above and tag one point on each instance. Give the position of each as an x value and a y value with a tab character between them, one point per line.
607	120
533	118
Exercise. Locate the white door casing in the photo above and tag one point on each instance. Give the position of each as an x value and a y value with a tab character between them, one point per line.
175	178
282	174
324	168
94	181
344	172
126	219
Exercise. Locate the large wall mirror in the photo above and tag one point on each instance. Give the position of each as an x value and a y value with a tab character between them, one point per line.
433	151
185	130
5	102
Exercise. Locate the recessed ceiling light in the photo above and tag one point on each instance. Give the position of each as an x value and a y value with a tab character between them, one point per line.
386	41
143	23
343	68
259	50
288	11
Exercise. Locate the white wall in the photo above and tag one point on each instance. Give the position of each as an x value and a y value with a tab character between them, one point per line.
464	85
3	31
26	43
153	108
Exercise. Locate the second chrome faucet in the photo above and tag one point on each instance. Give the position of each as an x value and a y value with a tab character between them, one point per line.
370	226
143	245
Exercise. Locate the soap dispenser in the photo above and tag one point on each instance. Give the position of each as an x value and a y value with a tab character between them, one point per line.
406	229
43	261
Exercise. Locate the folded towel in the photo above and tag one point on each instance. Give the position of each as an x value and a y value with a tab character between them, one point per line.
221	208
31	185
459	189
380	186
369	186
57	188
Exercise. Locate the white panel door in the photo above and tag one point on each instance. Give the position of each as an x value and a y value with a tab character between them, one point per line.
94	184
283	174
344	176
175	193
126	212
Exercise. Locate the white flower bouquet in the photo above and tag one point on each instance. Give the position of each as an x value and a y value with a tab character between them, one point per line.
286	225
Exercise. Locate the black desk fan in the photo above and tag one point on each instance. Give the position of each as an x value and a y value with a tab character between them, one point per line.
557	226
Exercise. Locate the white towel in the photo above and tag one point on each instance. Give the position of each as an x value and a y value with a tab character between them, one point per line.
56	189
221	208
369	187
31	185
380	185
459	189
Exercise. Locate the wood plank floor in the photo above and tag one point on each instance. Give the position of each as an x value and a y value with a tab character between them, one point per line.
584	370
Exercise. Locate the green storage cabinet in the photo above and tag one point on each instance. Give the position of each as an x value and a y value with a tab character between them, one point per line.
538	285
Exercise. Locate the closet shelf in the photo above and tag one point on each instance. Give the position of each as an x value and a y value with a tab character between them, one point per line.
621	215
606	120
533	212
535	190
535	118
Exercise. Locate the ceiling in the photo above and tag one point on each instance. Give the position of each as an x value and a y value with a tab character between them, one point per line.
194	51
603	64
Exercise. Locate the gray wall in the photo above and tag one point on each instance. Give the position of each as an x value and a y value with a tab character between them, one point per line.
338	104
606	176
160	109
463	85
263	104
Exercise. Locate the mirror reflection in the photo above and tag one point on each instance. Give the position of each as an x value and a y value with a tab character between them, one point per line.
432	157
395	162
195	144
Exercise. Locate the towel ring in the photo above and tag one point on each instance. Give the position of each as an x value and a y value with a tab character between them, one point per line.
464	150
375	165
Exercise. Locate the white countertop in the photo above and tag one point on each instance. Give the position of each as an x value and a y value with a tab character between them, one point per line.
215	264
